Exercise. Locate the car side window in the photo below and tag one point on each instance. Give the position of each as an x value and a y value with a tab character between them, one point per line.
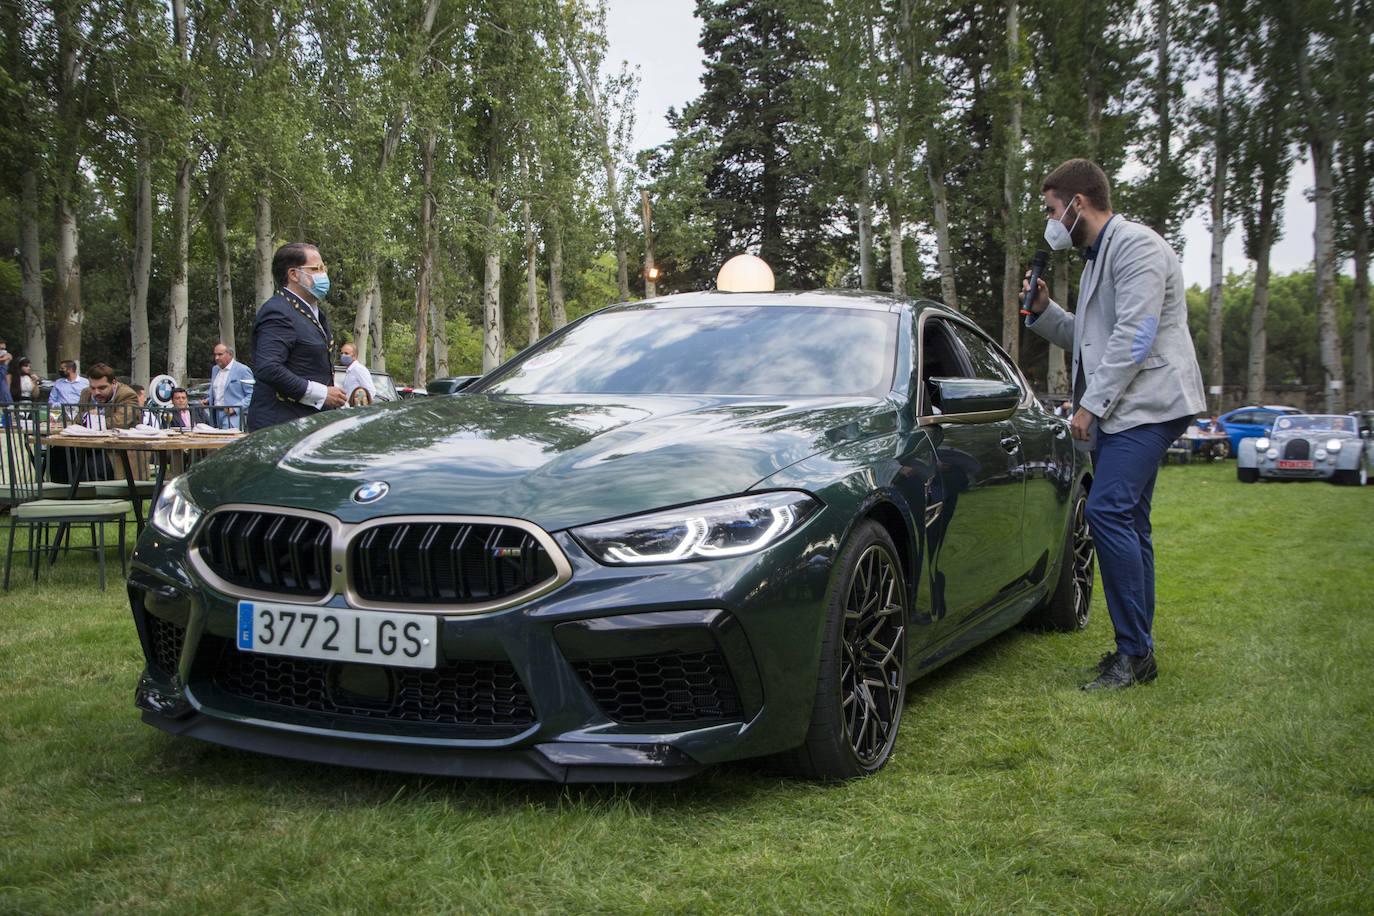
1242	418
941	357
986	361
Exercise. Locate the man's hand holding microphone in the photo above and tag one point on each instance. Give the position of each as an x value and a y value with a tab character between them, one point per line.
1081	426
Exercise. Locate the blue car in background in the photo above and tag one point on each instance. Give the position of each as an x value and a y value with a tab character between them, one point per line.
1250	422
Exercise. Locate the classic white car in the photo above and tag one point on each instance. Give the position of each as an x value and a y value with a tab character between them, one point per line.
1309	447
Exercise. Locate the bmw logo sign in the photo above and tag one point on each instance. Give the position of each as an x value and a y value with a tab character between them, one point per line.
371	492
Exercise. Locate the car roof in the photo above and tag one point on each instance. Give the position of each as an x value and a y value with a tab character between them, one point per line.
816	298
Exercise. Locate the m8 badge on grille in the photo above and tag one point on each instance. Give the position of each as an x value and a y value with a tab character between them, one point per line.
338	634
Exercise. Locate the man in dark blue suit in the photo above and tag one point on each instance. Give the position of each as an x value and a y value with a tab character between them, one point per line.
293	346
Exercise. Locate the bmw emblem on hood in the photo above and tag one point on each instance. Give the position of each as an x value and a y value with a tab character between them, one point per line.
371	492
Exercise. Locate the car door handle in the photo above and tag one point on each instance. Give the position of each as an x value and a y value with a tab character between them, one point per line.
1011	443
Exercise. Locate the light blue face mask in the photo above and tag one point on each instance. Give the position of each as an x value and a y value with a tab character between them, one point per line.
317	285
345	360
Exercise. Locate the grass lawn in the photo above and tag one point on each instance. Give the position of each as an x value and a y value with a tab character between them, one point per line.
1242	781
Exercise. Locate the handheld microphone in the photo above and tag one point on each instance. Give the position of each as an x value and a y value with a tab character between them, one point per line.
1038	264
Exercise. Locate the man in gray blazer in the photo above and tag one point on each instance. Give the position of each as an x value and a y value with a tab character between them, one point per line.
1136	386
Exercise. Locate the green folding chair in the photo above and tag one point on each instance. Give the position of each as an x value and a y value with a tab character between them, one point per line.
22	457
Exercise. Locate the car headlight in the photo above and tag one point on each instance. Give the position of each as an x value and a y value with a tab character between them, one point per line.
1261	444
1333	445
175	514
724	528
1272	453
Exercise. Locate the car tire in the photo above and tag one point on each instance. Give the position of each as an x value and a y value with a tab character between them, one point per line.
1350	477
1068	606
861	684
1247	475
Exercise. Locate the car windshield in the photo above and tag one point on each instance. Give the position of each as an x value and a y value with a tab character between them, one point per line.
1312	422
736	350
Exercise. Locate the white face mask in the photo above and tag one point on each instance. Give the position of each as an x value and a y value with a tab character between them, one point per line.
1056	236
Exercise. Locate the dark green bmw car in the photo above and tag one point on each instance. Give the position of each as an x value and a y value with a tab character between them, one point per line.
676	532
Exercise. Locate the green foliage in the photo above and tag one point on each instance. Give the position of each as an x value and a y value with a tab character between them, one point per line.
1293	355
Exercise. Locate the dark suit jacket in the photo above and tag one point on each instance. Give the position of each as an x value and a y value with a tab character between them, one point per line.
288	352
173	417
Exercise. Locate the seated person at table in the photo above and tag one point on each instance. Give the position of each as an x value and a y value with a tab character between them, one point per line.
107	403
181	413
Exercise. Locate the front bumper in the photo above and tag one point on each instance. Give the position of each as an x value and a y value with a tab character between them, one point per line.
644	674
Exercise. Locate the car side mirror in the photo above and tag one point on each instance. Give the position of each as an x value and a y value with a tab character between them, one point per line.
972	400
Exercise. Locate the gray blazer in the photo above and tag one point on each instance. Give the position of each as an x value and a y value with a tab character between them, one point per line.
1129	335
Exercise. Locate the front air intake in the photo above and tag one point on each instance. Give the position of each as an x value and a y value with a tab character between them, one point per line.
268	551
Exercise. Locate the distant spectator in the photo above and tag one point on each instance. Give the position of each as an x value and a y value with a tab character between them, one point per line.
69	385
106	402
231	387
24	385
5	357
145	416
358	386
181	414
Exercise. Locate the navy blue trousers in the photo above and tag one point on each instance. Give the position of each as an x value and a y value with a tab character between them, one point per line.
1125	465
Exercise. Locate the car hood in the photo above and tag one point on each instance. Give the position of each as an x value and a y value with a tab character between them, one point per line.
1314	435
550	460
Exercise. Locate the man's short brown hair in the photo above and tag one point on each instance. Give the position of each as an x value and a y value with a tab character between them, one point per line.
1080	176
100	370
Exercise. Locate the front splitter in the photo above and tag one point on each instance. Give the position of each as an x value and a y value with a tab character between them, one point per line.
559	762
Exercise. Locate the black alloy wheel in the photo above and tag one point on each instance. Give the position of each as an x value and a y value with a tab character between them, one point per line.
1068	606
872	682
862	675
1083	556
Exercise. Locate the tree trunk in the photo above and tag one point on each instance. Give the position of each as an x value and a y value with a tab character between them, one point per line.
376	328
1011	191
866	230
493	333
1324	238
646	213
424	304
1359	208
894	248
140	271
362	320
1255	381
224	283
70	313
438	332
1220	166
1160	207
1057	373
558	309
1361	374
943	253
30	265
178	297
531	262
1321	139
603	132
263	285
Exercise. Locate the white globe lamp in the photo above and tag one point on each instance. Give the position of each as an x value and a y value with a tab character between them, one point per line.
745	273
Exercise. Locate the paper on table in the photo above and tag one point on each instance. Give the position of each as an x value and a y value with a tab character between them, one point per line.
75	430
142	431
208	430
